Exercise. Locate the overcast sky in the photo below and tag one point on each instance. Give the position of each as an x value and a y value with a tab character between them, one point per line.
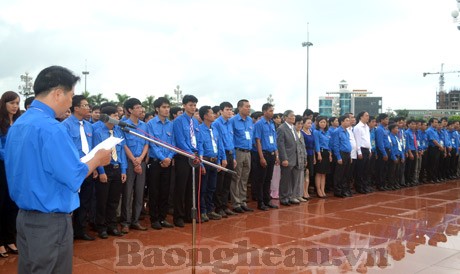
229	50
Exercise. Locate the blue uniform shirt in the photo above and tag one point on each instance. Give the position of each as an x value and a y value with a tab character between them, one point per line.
444	135
373	144
410	143
432	135
73	127
226	133
242	132
97	125
102	134
43	167
454	139
2	146
321	140
134	143
266	132
382	139
163	132
423	137
181	133
396	147
205	145
340	141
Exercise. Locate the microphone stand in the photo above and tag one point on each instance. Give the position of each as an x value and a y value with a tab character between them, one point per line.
194	162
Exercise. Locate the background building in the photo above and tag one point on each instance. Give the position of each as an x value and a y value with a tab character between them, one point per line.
373	105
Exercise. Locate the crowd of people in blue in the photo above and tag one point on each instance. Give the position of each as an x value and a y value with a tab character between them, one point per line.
48	195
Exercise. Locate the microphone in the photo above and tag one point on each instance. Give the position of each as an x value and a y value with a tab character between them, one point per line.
107	119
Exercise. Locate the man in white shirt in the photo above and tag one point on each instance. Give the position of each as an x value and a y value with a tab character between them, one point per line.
363	146
354	152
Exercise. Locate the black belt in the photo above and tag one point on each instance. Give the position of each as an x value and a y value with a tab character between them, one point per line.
210	159
39	212
324	150
154	159
229	152
365	148
242	149
268	152
112	166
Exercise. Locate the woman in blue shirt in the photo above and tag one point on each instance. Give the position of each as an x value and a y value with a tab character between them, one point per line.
9	112
323	155
310	148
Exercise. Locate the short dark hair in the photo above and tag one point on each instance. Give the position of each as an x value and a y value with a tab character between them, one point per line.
108	104
371	118
96	107
216	109
277	115
358	117
224	105
444	119
53	77
189	98
28	101
307	112
160	101
298	118
130	103
256	114
392	126
109	110
331	120
410	121
342	118
76	101
266	106
432	120
203	111
399	118
382	116
241	103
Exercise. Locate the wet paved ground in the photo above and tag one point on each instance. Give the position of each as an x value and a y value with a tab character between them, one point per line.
413	230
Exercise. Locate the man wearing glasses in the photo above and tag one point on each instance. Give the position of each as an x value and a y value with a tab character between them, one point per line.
81	132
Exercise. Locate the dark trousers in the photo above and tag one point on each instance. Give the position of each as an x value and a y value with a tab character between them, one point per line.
108	199
340	176
423	177
80	215
410	168
453	163
329	177
207	189
434	155
393	172
224	180
382	169
262	177
362	171
183	188
371	171
45	242
159	187
8	211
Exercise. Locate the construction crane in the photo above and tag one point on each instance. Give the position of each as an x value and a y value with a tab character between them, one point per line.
441	76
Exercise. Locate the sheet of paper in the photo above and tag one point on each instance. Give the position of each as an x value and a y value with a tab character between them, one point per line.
108	143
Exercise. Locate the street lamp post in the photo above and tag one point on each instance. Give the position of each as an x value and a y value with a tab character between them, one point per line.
86	72
307	44
455	14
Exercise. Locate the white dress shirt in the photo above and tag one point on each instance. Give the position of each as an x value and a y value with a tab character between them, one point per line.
354	154
362	136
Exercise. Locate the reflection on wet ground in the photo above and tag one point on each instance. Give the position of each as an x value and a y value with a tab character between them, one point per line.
413	230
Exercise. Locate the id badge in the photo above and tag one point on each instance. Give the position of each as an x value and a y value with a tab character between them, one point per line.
272	141
248	135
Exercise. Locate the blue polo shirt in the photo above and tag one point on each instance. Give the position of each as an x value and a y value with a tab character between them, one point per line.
423	139
162	132
43	167
134	143
97	125
410	142
382	139
181	133
73	127
432	135
104	133
242	132
397	149
322	139
340	142
226	133
265	131
205	146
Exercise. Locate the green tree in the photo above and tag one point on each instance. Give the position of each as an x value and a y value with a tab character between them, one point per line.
121	97
97	99
402	113
148	103
172	101
454	118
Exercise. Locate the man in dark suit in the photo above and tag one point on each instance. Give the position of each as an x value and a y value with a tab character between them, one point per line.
287	150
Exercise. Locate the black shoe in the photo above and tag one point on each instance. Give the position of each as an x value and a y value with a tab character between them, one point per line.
156	225
230	212
84	237
285	203
166	224
179	223
222	213
270	205
339	195
245	208
238	210
114	232
361	191
103	235
262	207
138	227
347	194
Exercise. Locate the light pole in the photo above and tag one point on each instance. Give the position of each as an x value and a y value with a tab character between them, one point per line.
307	44
26	89
455	14
86	72
178	93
